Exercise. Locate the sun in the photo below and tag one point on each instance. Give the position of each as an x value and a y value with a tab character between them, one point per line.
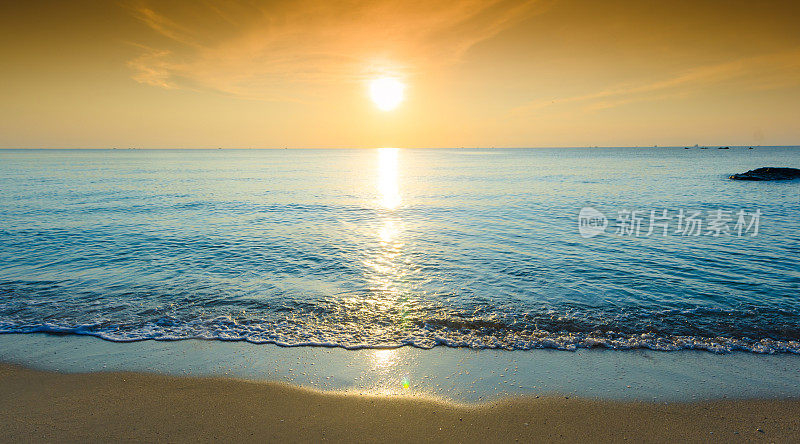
386	93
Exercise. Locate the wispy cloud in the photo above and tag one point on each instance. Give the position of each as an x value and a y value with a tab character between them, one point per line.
259	49
149	68
770	71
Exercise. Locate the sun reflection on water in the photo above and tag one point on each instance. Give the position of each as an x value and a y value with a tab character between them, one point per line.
384	358
388	186
389	231
386	365
387	298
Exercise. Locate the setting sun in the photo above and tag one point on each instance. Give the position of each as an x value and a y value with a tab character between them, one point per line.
386	93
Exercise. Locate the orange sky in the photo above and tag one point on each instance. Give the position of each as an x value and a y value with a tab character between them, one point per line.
195	73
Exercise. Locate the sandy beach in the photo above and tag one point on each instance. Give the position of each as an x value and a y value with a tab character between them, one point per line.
37	406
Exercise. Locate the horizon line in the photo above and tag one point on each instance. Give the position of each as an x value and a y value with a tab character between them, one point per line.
397	147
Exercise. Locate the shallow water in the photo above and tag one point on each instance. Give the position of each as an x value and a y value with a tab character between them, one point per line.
382	248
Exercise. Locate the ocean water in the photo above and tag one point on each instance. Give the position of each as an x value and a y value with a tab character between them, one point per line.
393	247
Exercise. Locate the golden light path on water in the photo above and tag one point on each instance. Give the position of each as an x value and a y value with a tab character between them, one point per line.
389	267
388	183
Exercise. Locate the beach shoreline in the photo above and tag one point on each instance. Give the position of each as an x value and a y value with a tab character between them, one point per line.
75	388
455	374
39	405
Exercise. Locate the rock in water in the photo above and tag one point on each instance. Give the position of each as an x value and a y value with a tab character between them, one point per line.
768	173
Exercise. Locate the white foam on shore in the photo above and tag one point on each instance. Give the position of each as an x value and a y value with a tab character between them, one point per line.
294	335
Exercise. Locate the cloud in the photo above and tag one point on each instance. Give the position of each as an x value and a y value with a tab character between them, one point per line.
274	50
771	71
150	68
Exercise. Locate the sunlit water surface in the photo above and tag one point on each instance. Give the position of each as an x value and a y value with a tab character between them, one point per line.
384	248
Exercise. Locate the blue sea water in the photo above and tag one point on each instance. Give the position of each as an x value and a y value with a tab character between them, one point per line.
391	247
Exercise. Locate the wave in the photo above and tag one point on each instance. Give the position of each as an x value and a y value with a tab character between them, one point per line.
286	334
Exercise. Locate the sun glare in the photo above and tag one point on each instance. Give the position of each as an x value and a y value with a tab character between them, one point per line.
388	185
386	93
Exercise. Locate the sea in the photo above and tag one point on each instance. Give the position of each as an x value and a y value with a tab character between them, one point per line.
511	249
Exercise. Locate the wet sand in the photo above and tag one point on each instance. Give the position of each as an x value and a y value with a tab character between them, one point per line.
459	375
37	405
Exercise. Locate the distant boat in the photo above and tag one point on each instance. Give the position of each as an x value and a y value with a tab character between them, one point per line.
703	147
724	148
686	147
750	148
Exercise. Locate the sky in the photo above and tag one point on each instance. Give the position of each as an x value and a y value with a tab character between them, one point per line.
485	73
